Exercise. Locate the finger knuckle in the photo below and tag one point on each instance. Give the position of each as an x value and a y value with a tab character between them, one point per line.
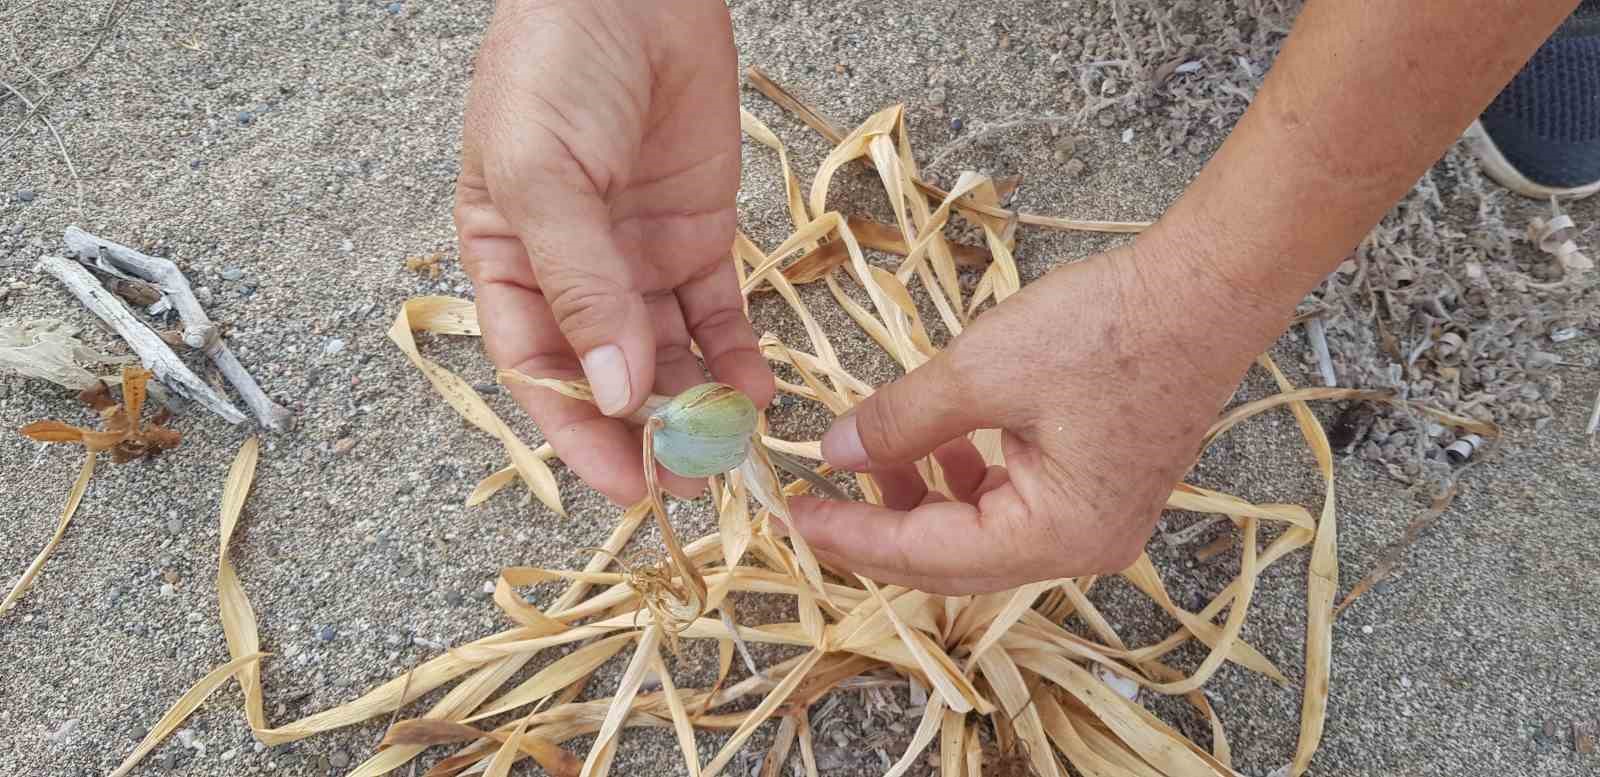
585	306
884	425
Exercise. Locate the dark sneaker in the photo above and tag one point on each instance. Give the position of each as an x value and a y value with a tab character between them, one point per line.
1541	136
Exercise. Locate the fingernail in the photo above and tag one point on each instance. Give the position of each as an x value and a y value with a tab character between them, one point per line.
607	371
841	446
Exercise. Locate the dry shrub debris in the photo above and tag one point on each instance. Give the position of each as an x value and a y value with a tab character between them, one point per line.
1002	666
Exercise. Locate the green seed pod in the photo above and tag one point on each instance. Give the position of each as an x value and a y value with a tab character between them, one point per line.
704	431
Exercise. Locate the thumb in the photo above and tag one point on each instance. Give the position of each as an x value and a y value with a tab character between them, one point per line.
907	419
593	294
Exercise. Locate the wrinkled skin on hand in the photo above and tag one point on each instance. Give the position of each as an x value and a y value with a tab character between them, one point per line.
595	209
1103	391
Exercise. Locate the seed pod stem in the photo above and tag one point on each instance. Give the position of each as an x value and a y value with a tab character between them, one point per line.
684	612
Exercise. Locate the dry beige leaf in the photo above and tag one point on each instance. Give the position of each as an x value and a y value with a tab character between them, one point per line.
186	704
74	496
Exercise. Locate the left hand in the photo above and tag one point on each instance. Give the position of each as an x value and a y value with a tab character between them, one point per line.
1104	375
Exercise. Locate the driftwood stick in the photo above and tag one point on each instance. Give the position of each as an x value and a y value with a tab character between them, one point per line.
152	351
198	331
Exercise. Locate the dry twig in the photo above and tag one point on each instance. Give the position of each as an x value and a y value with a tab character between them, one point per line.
198	331
152	350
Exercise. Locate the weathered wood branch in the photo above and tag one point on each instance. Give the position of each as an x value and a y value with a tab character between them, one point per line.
199	331
152	350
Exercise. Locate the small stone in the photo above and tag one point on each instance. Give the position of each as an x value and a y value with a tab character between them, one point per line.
345	246
333	346
24	195
488	587
1405	682
1198	147
1366	629
170	575
956	124
343	445
231	273
246	118
486	388
1106	118
339	760
202	294
229	755
1127	135
937	96
453	598
171	759
1073	169
167	590
406	488
1066	147
326	634
395	9
175	526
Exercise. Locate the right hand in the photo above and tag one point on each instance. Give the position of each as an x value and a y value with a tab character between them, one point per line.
595	213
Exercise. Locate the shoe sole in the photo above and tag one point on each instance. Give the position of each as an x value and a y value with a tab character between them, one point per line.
1503	172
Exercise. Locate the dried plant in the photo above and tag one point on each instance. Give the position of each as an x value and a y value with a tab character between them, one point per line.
1005	655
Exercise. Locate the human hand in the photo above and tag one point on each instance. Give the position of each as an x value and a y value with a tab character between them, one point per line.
1104	376
595	211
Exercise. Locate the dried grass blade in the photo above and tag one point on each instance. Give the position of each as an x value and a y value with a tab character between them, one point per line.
772	765
1019	602
1059	728
561	673
753	127
1397	549
445	315
74	496
1170	753
944	675
680	717
627	689
506	755
808	755
180	710
1016	702
1322	583
491	485
238	617
1224	641
762	711
927	729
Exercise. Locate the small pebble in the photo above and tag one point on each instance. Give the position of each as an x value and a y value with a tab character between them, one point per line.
245	118
488	587
169	760
229	755
956	124
25	195
1405	682
346	246
1066	147
175	526
168	590
1127	135
395	9
334	346
453	598
231	273
937	96
1073	169
326	634
202	294
486	388
343	445
339	760
170	575
1366	629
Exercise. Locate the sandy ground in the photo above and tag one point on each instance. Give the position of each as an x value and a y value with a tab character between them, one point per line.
290	156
